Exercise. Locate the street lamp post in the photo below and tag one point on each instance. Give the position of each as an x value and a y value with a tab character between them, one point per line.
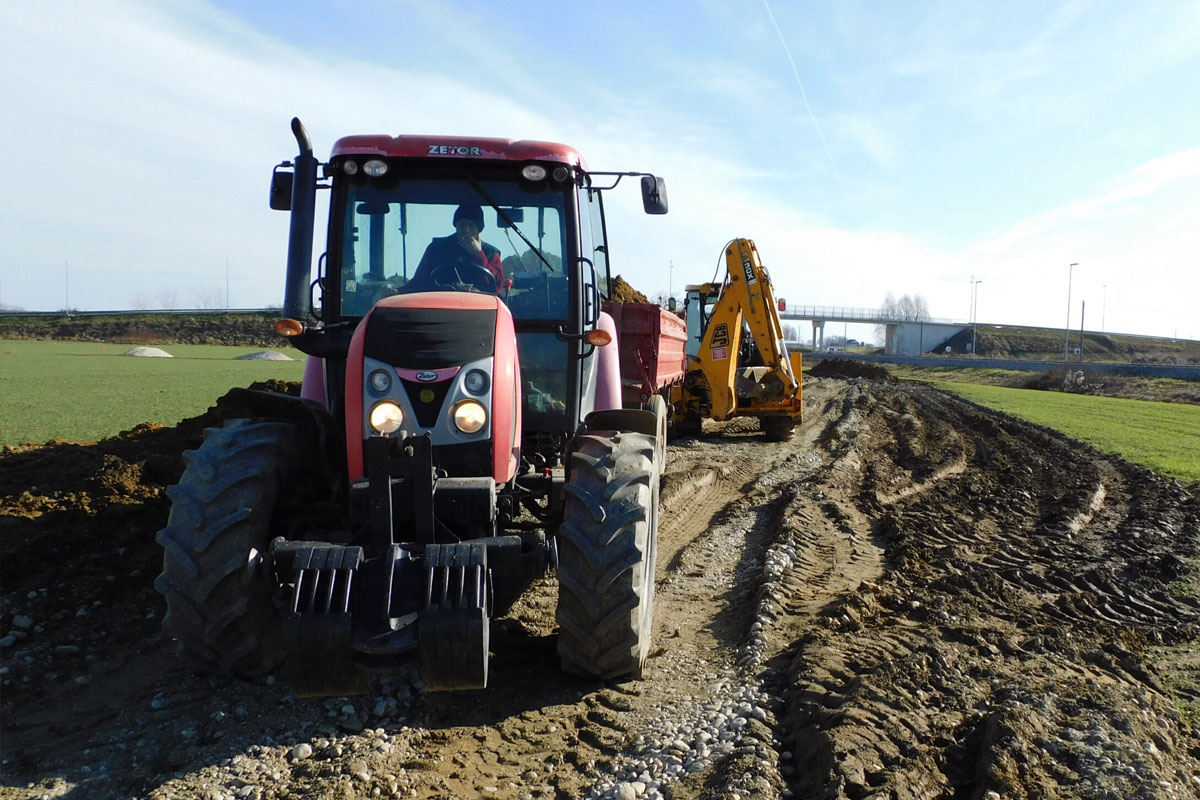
1067	329
974	311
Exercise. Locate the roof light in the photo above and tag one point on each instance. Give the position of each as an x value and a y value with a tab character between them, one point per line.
375	167
533	172
560	174
350	167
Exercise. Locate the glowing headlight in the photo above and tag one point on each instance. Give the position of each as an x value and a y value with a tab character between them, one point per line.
375	167
470	416
533	172
380	381
386	418
476	382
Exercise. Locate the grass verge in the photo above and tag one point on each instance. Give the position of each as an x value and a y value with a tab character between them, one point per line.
1162	436
84	391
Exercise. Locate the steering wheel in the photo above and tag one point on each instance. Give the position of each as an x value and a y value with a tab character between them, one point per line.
465	273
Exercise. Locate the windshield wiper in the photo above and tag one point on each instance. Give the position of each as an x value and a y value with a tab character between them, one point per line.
500	212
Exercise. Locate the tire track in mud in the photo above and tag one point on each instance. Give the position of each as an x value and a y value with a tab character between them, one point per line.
1018	579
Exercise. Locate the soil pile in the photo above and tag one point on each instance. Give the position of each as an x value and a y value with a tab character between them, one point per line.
914	598
849	368
622	292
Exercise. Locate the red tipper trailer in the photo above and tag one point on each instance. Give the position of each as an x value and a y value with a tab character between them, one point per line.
651	342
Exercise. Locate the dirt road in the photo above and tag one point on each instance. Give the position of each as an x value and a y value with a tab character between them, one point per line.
915	598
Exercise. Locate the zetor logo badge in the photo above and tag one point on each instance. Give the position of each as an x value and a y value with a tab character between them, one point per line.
453	150
426	377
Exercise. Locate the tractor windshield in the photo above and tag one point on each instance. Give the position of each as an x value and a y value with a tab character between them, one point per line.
421	234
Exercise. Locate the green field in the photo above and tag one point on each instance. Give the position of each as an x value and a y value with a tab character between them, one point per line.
83	391
1163	436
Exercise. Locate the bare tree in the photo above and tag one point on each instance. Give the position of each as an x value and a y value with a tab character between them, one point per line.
210	298
167	300
909	308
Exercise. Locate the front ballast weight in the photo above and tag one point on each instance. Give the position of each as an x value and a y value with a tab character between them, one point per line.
351	615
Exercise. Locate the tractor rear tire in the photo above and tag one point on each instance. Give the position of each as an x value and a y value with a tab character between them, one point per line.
606	552
777	429
219	609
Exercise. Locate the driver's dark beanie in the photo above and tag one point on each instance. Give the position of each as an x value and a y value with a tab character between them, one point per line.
473	213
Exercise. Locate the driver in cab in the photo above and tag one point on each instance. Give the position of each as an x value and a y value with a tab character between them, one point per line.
461	258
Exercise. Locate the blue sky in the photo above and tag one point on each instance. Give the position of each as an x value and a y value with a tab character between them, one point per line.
865	147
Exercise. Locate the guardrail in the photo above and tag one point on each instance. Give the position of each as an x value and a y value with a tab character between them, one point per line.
847	314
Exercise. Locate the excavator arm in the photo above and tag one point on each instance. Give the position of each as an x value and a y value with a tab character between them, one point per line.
746	296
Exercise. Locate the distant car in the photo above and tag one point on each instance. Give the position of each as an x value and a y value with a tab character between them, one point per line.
831	349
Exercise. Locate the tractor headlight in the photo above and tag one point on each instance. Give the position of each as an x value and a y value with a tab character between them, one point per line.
470	416
375	167
476	382
386	418
380	381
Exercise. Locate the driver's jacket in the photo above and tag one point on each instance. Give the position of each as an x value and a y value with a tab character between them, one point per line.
446	250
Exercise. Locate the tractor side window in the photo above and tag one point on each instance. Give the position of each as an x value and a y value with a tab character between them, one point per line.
594	241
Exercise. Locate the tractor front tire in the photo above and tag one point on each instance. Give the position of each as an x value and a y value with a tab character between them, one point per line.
219	609
606	551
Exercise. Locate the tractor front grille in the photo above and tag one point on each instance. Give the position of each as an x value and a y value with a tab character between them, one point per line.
430	338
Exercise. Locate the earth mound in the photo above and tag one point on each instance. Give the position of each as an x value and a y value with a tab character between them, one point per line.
265	355
849	368
622	292
148	352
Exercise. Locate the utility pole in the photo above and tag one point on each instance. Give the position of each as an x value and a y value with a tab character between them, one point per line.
1067	327
1103	306
974	310
67	287
226	284
1082	308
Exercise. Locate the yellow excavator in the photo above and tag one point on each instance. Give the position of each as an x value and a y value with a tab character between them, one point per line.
737	362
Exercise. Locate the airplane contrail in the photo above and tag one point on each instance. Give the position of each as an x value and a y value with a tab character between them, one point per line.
804	95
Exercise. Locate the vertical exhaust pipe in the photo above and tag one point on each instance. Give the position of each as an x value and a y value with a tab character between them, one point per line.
297	297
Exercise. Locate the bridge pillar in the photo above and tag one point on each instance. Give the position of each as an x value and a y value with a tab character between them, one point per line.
818	326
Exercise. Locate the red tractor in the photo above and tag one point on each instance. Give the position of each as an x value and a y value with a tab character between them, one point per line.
460	432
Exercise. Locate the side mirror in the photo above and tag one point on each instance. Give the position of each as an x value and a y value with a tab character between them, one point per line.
281	190
654	194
